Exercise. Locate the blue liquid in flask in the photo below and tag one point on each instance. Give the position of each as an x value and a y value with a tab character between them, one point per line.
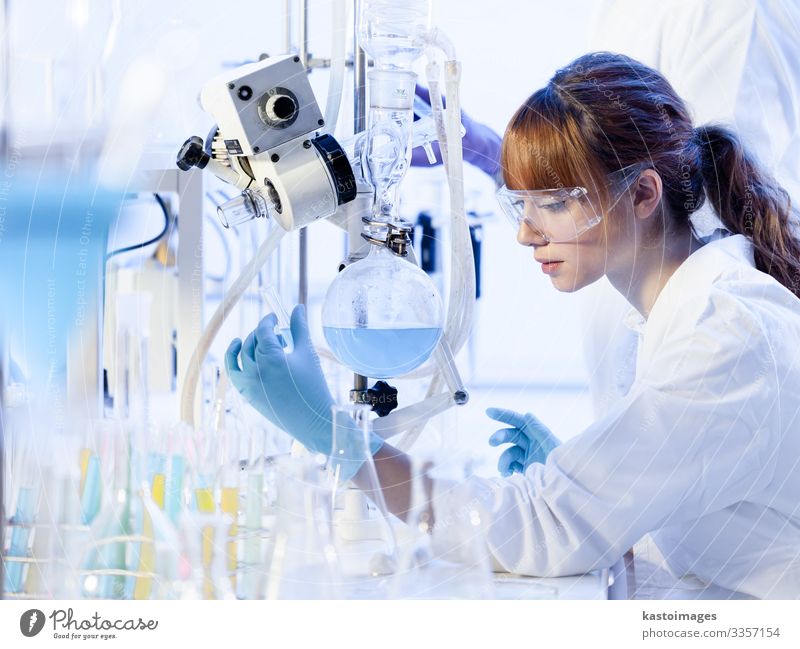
382	353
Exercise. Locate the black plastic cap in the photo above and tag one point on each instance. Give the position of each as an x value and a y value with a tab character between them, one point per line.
192	154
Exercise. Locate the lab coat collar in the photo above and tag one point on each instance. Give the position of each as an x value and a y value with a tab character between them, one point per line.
696	269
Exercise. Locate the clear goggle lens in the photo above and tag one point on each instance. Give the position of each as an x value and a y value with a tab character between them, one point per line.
563	214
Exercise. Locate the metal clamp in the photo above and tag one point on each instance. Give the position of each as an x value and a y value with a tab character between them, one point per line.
398	235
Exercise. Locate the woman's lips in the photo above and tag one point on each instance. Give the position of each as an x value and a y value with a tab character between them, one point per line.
550	267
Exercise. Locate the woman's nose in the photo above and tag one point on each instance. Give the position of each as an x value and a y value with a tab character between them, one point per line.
528	236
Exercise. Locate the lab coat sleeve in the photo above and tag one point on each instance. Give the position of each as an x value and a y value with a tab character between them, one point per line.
695	434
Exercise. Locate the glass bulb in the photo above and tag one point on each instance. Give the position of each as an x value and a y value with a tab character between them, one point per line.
394	33
388	137
382	315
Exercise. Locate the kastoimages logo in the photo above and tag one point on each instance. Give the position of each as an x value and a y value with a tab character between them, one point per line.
31	622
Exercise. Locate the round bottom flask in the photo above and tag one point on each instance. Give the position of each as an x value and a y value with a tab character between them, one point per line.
382	316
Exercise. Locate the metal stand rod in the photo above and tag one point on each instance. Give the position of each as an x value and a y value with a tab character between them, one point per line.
359	124
287	28
302	288
359	76
5	80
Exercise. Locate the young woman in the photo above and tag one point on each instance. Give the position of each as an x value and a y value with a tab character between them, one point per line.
603	168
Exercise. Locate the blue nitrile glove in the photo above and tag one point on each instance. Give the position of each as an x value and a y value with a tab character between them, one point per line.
290	390
481	144
532	441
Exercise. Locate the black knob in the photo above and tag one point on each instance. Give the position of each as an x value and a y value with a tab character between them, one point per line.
192	154
382	397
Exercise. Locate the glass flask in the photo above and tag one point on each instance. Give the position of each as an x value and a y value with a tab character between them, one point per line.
72	531
133	548
361	522
211	522
458	567
302	562
393	33
388	137
255	531
250	204
382	315
22	493
31	502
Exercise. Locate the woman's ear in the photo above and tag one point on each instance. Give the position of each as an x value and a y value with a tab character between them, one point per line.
646	193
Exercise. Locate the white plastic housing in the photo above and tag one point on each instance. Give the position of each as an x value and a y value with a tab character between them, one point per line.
299	173
249	121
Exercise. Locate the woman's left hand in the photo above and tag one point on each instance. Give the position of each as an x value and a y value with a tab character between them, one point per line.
531	440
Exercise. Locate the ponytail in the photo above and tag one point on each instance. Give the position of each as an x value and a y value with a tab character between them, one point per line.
751	203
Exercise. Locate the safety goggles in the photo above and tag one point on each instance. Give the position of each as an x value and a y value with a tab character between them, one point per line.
561	215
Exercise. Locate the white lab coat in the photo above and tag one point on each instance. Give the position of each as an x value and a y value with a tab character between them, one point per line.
733	61
703	450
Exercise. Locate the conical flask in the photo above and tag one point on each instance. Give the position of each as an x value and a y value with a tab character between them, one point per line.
444	553
303	563
361	521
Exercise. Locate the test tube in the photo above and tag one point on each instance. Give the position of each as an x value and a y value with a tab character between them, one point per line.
284	331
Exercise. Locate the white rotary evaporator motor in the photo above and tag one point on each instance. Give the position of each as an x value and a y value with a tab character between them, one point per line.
266	143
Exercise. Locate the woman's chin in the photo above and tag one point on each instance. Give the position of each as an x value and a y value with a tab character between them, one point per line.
569	283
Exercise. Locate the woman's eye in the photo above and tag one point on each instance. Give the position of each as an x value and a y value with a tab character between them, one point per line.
556	206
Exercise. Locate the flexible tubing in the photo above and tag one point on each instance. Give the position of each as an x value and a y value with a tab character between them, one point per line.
461	307
223	311
413	433
432	73
414	415
437	39
461	303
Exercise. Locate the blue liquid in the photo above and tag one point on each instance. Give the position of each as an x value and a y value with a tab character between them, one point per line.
382	353
20	538
174	488
91	497
52	247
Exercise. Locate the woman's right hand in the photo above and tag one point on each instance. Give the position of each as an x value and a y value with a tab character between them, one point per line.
531	441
